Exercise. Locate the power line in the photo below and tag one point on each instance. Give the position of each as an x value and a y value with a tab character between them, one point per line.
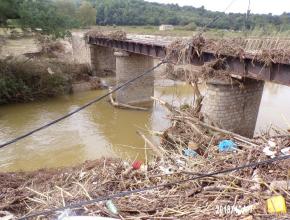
218	17
248	16
80	108
99	98
126	193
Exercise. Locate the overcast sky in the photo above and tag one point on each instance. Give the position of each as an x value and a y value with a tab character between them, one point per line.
257	6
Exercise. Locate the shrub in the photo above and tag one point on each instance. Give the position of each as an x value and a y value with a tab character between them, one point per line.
26	81
190	27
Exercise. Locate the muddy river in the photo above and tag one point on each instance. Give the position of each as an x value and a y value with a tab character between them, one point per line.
102	130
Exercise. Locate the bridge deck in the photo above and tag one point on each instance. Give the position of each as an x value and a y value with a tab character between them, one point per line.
156	47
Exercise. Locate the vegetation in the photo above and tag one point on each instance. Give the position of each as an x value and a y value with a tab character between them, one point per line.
54	17
86	14
50	17
21	82
139	12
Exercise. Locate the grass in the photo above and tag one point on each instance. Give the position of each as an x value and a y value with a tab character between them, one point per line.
183	31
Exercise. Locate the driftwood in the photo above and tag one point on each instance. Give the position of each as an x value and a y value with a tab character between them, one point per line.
121	105
220	130
156	150
195	120
197	97
167	106
194	127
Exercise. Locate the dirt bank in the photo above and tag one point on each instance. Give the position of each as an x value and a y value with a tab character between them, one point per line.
41	68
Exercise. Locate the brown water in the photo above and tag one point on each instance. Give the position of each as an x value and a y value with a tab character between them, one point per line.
102	130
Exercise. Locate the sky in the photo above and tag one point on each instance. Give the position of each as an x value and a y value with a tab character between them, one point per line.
257	6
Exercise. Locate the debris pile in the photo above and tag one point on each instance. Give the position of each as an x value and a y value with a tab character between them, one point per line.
113	35
183	50
190	148
188	151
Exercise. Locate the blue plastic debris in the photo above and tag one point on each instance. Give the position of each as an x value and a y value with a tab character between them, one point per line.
227	145
189	152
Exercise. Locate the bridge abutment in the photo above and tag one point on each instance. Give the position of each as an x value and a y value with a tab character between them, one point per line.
128	66
233	106
103	62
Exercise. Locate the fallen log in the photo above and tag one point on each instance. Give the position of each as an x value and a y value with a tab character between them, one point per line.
121	105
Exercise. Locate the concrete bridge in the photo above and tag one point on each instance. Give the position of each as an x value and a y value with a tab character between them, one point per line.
225	104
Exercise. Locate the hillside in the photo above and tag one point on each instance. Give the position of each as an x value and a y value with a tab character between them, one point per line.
139	12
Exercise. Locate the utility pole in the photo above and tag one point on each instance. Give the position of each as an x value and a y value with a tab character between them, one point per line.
247	23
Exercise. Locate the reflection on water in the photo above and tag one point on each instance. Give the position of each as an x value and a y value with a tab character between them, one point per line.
102	130
275	107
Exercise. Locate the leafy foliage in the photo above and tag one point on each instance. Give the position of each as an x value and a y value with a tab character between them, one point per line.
55	17
8	9
21	82
86	14
46	16
50	17
139	12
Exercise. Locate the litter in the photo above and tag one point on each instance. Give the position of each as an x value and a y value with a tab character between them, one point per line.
227	145
184	200
268	152
286	151
136	165
111	207
276	204
189	152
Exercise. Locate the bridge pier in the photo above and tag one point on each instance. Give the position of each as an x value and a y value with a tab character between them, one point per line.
128	66
103	62
233	107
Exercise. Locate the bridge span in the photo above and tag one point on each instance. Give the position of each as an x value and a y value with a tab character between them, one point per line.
249	66
226	104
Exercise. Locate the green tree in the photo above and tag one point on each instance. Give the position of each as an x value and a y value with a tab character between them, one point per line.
86	14
45	16
8	10
67	8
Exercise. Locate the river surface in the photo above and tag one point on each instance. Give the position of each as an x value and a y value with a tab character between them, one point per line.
102	130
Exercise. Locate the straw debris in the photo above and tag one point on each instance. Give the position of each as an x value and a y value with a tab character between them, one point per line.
244	191
113	35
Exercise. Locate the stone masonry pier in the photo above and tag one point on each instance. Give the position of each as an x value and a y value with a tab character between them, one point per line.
233	106
128	66
103	62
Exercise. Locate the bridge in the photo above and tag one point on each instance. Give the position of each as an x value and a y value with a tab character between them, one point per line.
225	104
249	66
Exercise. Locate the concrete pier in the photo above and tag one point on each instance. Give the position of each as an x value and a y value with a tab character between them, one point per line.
233	107
103	62
80	49
128	66
101	59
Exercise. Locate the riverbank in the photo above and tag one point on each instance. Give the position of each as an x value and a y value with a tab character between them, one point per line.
24	80
34	68
182	155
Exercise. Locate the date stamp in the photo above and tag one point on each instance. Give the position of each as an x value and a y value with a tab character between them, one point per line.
228	209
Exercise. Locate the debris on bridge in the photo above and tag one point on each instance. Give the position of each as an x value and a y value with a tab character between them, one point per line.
112	35
241	194
182	50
